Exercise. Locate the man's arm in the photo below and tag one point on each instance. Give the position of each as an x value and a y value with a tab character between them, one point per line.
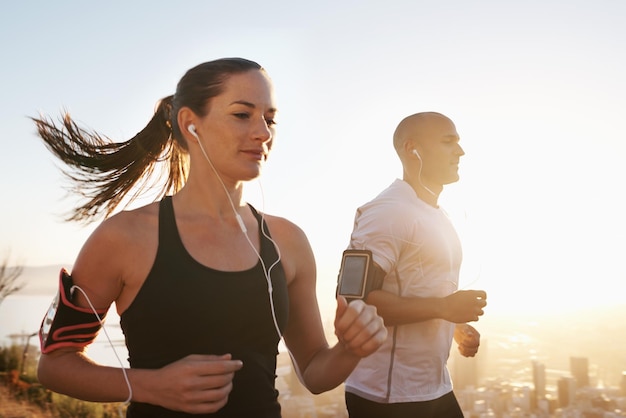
459	307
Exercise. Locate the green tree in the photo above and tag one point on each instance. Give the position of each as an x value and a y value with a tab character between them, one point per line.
8	278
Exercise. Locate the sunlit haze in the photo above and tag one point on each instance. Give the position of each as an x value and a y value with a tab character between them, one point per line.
536	89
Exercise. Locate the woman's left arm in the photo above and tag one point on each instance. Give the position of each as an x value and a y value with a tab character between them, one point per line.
359	330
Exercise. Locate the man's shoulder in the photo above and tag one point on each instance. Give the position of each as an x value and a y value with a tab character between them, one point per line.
394	199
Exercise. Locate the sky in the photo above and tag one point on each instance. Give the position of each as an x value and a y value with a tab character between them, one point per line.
536	89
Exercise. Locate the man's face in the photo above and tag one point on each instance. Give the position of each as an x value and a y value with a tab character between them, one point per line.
438	146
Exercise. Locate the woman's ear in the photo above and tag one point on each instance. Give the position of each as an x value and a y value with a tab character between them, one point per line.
186	121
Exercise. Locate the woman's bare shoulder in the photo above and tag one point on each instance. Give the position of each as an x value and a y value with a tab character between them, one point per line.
284	228
123	231
128	224
293	243
118	254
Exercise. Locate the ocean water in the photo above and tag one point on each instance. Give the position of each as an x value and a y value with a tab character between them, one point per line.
21	315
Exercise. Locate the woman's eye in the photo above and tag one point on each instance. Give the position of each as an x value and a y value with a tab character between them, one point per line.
244	116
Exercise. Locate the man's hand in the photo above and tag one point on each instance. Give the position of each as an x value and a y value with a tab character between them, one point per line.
464	306
468	339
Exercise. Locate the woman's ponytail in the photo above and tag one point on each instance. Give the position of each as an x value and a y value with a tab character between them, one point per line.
105	172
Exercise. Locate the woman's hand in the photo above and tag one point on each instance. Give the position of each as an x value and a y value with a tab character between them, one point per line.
196	384
359	329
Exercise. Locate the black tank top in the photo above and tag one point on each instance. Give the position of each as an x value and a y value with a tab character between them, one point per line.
187	308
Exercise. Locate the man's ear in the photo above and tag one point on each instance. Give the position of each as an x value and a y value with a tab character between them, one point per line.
408	147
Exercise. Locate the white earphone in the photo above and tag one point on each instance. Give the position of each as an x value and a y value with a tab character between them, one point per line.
414	153
192	130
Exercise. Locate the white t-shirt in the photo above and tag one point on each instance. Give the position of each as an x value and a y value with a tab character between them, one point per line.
418	247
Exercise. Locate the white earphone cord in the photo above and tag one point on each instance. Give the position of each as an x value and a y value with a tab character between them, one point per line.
419	174
266	271
130	389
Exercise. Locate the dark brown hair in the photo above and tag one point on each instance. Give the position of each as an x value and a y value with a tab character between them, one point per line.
103	172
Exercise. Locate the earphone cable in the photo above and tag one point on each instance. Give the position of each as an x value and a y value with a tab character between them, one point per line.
130	389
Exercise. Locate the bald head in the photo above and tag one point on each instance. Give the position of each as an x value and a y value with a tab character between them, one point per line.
416	128
428	146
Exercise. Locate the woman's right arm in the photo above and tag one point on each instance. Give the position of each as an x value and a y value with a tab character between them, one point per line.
72	373
98	273
111	267
195	384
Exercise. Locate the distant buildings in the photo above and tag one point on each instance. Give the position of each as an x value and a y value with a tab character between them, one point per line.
579	367
542	393
509	384
566	391
539	380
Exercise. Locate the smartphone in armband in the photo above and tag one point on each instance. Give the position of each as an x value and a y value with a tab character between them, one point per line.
358	275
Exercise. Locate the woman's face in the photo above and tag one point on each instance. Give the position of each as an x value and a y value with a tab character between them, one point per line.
238	129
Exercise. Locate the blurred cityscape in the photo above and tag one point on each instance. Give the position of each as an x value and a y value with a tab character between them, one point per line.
561	365
566	366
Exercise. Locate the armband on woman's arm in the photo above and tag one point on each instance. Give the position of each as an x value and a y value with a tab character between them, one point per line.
66	324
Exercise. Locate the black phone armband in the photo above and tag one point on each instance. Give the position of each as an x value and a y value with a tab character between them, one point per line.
66	324
358	275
